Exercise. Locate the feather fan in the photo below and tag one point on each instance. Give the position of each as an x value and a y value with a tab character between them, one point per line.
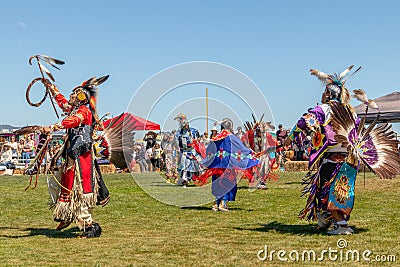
29	129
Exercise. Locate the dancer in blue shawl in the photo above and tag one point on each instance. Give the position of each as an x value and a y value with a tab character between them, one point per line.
226	155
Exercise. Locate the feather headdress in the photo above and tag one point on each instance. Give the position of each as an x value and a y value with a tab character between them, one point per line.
181	118
87	92
335	83
89	87
255	124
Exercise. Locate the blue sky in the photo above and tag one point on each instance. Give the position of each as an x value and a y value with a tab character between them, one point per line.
273	43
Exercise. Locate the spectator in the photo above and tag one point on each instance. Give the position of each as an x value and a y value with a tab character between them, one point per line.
280	149
141	158
164	140
281	134
298	146
14	146
239	132
132	163
149	156
6	159
27	150
6	154
164	143
150	139
20	147
214	132
157	152
204	139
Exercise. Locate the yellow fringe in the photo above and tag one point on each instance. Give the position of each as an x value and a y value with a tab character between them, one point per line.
55	178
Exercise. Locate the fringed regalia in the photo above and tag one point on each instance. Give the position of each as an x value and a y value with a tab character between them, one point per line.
258	139
78	179
326	157
78	184
189	158
225	156
170	151
340	142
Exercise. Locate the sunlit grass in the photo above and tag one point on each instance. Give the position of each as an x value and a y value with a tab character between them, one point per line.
141	231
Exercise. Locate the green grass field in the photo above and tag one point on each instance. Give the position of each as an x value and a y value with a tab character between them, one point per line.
141	231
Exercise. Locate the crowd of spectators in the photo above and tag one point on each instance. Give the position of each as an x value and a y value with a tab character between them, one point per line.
19	154
149	154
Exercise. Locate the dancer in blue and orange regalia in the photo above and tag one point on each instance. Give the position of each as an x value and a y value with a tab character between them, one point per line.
339	143
79	186
225	156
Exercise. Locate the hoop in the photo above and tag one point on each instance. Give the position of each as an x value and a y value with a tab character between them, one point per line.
42	80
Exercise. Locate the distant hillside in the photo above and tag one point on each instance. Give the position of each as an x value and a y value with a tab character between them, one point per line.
7	127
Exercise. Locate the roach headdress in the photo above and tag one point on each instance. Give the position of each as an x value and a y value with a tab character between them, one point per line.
87	93
182	120
226	123
335	84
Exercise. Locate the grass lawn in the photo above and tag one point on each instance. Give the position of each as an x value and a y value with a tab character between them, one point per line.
141	231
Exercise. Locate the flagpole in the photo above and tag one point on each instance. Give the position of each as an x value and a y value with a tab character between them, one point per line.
207	110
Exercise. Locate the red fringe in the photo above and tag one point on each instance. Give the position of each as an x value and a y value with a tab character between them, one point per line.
273	176
227	173
203	178
199	147
249	174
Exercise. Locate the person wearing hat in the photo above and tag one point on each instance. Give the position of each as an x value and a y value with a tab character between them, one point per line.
6	153
214	132
6	159
79	178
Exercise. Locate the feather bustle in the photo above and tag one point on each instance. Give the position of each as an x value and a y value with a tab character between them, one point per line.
382	137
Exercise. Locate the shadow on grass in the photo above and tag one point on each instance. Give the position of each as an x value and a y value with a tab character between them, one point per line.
241	187
164	185
196	208
208	208
300	182
295	229
52	233
67	233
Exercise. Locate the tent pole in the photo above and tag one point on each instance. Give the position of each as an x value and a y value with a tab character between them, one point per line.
207	110
364	175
